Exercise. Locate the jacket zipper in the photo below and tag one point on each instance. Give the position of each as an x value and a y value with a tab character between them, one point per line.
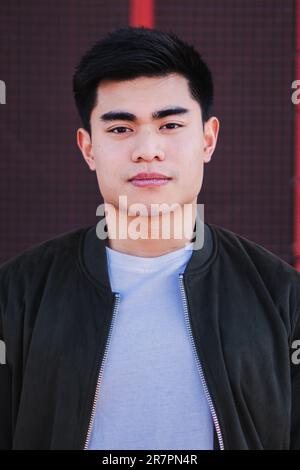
206	391
102	363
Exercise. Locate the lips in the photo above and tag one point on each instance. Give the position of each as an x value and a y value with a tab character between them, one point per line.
150	176
149	180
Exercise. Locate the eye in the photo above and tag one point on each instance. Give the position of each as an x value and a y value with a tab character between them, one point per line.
112	130
172	124
122	127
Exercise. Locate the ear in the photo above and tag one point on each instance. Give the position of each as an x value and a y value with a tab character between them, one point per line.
84	142
211	131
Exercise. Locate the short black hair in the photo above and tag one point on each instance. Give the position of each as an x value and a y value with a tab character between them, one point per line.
131	52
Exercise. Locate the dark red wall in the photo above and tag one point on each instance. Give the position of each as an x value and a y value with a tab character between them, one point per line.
45	186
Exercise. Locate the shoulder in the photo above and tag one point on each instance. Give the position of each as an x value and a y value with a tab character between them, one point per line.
38	258
261	266
24	277
241	248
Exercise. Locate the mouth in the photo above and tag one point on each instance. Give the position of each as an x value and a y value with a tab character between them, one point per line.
149	182
151	179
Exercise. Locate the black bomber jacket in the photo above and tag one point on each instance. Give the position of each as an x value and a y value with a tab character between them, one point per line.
56	312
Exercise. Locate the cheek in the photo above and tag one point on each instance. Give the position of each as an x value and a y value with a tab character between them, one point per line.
188	147
106	159
189	161
111	156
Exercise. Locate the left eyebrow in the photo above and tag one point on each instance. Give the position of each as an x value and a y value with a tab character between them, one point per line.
126	116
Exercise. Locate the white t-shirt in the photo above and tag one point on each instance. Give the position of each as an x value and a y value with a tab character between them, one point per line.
151	395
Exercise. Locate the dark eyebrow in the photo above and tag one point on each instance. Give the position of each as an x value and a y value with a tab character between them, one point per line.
126	116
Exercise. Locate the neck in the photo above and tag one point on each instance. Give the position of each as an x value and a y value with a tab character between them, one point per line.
150	236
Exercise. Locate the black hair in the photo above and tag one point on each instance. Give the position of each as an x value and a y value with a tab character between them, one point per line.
130	52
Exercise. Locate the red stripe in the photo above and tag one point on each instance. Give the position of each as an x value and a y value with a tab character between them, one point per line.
141	13
297	148
297	190
297	6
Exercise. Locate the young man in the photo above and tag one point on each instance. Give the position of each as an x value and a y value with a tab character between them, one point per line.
140	341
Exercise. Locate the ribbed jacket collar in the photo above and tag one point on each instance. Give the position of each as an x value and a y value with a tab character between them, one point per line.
95	259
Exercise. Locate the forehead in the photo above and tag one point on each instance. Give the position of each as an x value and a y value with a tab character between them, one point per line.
154	92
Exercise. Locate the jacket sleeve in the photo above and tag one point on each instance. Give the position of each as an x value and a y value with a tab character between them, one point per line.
5	382
295	381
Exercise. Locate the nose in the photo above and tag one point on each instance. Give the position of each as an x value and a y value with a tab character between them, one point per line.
147	148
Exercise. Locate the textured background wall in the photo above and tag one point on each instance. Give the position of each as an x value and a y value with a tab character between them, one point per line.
46	187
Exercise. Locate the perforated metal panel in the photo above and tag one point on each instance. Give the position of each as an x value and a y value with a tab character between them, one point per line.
45	186
249	46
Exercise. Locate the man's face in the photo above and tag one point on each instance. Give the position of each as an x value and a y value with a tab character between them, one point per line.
175	145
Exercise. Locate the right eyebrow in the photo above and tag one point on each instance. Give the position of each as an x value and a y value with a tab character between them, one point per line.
126	116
